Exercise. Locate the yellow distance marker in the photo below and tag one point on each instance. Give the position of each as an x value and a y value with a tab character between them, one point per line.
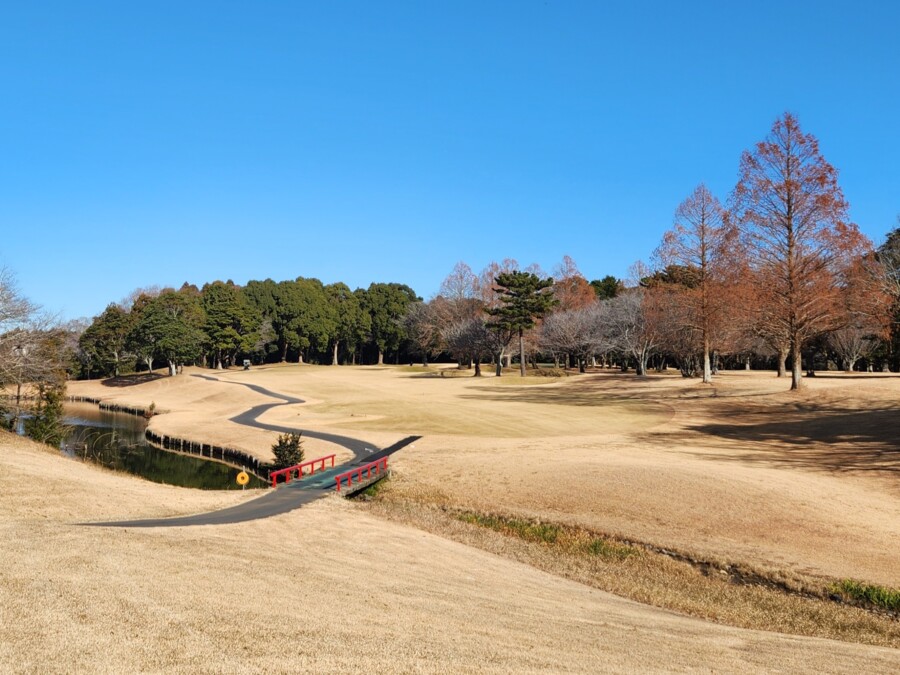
243	478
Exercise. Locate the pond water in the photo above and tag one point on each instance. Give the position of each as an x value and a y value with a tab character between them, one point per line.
116	440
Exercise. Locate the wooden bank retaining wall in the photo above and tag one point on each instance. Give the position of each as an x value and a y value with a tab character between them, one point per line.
232	456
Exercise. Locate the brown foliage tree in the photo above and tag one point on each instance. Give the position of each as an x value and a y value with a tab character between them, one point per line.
571	290
793	219
700	242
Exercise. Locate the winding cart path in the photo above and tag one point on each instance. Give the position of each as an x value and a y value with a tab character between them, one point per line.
289	496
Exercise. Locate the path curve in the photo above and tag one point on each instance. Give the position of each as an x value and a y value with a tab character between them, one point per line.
288	497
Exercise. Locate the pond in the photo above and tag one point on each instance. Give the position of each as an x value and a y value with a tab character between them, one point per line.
116	440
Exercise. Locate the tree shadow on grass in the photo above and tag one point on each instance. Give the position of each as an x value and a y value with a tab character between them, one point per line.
813	437
596	393
131	380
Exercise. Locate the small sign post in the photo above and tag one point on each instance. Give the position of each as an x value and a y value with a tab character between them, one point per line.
242	479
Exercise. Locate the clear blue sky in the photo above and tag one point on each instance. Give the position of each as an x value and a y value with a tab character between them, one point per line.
157	143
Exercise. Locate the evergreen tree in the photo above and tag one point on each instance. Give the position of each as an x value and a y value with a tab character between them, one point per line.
607	287
352	321
231	322
288	450
387	305
167	327
524	297
104	340
46	424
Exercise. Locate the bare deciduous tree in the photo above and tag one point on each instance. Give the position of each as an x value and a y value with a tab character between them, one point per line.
699	241
578	332
632	321
472	340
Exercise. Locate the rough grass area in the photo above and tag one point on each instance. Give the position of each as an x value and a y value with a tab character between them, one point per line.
717	591
548	372
571	540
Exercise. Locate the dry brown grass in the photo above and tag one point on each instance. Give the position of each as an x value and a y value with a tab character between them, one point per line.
800	606
703	470
741	470
326	588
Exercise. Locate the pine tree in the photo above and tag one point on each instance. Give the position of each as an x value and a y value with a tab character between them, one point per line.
524	297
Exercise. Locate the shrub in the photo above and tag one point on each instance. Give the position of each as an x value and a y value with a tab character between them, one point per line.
46	426
288	450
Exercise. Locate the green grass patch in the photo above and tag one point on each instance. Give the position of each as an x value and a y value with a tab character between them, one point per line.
567	539
877	596
546	533
373	491
609	550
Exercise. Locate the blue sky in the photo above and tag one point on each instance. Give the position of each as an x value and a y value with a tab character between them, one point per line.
157	143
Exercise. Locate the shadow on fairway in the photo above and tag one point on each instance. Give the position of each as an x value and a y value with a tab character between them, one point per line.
131	380
812	437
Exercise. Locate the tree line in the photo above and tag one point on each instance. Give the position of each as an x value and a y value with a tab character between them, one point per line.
222	324
777	276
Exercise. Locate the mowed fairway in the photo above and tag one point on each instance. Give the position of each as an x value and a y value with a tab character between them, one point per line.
743	471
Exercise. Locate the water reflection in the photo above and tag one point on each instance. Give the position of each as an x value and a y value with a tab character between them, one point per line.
116	441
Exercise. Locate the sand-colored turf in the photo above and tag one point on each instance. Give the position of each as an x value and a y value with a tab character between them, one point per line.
741	471
324	588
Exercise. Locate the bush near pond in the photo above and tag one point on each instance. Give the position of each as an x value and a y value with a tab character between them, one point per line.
288	450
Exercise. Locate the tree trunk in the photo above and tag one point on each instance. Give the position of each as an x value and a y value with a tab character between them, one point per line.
380	357
18	406
707	369
284	352
521	352
173	369
747	363
782	362
499	371
582	365
796	373
849	365
334	354
477	367
642	364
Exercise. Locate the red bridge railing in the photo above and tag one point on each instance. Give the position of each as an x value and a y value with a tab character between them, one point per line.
298	468
378	466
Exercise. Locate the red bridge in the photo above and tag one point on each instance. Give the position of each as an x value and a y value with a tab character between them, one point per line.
298	468
379	467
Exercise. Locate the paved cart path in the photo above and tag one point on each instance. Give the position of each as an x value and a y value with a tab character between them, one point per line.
288	497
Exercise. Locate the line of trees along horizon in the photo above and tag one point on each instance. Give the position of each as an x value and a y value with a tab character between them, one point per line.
776	277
